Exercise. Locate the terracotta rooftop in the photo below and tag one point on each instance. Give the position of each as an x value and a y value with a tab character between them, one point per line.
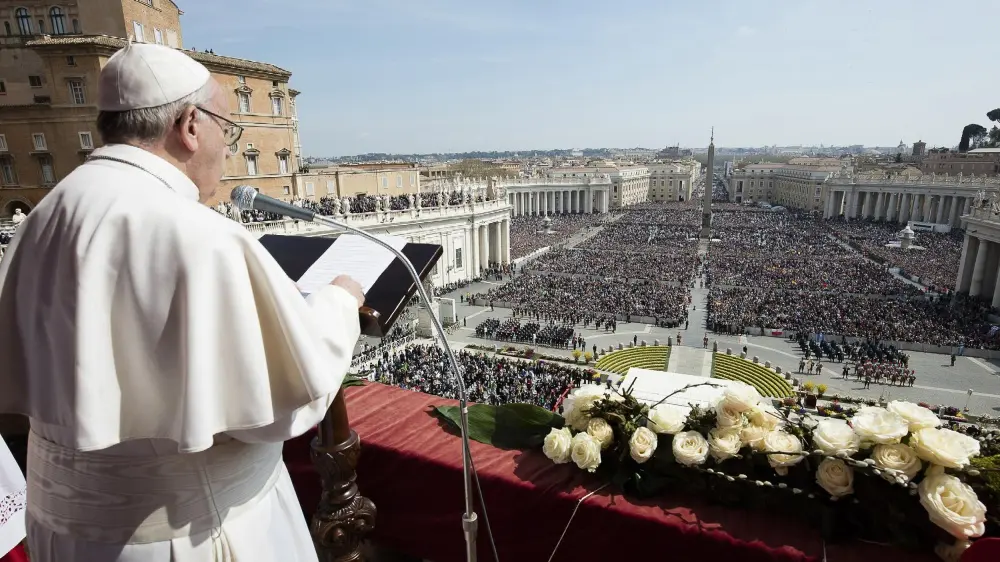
118	42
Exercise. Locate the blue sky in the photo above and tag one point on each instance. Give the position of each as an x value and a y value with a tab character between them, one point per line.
457	75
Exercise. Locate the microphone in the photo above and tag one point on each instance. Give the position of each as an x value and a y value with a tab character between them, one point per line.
245	198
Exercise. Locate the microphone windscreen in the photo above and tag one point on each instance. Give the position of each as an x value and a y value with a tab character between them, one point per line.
242	197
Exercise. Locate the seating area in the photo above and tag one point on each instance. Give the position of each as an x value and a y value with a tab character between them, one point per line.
649	357
766	381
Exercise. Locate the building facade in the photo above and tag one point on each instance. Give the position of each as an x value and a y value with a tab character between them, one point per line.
797	184
672	181
556	195
980	161
50	62
629	184
929	199
350	181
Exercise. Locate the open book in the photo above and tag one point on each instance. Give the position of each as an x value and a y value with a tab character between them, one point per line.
313	262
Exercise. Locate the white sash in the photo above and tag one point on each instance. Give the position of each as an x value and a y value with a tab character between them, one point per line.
135	500
12	499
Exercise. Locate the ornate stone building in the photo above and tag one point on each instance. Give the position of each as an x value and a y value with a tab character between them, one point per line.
51	55
979	268
629	184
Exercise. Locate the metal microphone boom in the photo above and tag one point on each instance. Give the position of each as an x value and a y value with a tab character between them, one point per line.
246	198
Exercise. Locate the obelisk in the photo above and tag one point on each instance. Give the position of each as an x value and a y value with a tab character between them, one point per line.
706	200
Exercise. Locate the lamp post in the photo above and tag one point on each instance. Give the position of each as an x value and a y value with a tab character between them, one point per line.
969	397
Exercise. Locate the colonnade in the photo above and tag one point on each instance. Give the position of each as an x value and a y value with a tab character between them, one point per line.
558	201
489	243
897	207
979	269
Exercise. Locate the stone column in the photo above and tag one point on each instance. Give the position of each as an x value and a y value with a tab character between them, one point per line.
474	252
890	212
956	203
967	208
496	240
915	208
963	281
484	247
589	195
926	215
940	210
880	206
505	247
828	208
979	269
996	290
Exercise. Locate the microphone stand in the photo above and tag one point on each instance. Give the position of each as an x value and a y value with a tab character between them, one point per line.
470	522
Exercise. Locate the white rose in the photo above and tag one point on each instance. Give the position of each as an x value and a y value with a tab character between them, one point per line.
834	476
944	447
642	445
690	448
741	396
784	446
753	436
916	416
765	415
586	452
724	443
952	552
577	405
953	506
557	445
601	430
835	438
878	425
727	415
897	457
666	419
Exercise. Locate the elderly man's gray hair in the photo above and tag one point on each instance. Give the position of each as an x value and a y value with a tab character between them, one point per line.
149	124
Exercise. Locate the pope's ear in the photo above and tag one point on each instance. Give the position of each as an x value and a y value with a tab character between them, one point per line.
187	127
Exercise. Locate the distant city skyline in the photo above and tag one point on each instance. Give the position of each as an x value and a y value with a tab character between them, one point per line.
449	76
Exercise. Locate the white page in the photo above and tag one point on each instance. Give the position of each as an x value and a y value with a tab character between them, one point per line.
352	255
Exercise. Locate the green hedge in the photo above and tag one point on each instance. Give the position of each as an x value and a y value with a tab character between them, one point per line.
767	382
649	357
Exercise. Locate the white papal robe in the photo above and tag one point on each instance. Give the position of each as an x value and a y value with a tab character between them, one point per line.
162	357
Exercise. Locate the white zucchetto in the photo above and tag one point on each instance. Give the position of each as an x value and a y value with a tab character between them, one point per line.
144	75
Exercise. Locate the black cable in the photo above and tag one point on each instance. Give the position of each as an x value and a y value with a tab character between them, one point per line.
482	504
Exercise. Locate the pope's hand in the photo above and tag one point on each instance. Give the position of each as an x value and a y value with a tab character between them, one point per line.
351	286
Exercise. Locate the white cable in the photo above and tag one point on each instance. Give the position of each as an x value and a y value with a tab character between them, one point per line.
579	502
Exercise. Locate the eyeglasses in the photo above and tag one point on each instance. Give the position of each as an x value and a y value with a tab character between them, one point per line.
231	131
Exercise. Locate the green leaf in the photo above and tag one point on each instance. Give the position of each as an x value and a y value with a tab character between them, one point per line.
351	380
510	426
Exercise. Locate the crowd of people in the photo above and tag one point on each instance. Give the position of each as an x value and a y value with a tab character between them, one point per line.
796	272
529	234
678	268
557	295
488	379
550	334
936	265
935	321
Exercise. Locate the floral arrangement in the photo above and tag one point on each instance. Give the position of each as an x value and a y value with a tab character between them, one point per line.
890	474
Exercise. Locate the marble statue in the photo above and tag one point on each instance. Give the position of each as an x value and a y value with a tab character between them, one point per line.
336	206
386	204
409	199
345	205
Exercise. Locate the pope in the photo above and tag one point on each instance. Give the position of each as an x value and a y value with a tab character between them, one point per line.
160	353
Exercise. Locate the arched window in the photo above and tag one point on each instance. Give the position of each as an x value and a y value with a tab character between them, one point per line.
23	21
58	21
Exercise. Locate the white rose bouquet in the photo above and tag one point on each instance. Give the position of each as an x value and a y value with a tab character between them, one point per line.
744	447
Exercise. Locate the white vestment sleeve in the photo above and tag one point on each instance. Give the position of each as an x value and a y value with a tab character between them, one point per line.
330	302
